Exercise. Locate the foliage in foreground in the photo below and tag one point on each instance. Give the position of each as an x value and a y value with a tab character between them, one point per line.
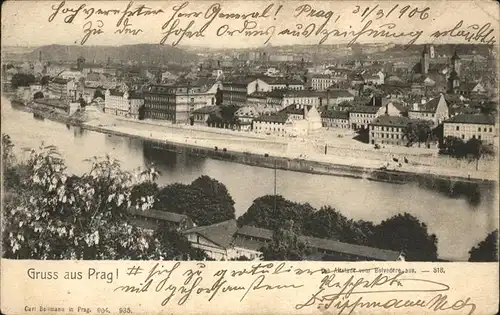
49	214
402	232
486	250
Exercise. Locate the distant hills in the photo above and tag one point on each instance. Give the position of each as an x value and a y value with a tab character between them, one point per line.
150	53
448	49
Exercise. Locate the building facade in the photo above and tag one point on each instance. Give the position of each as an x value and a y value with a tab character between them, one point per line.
388	130
360	117
322	82
60	88
471	126
236	92
117	103
435	110
335	119
176	103
294	120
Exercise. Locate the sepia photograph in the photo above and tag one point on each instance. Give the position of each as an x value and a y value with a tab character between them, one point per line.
199	131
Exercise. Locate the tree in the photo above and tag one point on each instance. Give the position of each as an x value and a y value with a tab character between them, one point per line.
22	79
488	108
142	112
218	96
140	192
486	250
271	212
175	246
404	232
38	95
51	215
454	147
200	204
45	80
286	244
474	149
477	149
418	131
326	223
98	93
331	224
216	191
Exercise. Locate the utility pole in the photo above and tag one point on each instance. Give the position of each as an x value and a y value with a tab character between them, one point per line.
275	192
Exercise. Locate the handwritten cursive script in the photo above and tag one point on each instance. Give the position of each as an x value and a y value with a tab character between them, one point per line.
187	21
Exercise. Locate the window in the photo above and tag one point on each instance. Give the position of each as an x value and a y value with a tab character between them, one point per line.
479	137
463	137
484	129
458	128
491	129
479	129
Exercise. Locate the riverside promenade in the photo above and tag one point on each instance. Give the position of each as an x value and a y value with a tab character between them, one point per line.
309	149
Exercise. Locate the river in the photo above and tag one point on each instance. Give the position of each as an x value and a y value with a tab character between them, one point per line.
458	224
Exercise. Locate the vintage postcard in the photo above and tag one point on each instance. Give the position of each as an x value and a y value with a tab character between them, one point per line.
249	157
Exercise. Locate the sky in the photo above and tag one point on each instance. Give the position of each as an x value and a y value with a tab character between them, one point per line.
26	23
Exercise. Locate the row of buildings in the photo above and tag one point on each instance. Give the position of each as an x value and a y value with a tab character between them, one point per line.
226	240
282	111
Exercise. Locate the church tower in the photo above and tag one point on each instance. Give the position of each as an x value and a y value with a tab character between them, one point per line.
424	60
455	63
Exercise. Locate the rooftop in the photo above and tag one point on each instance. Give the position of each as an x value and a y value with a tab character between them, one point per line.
253	231
467	87
279	117
295	109
158	214
205	110
431	106
336	114
339	93
394	121
319	243
59	80
351	249
472	119
365	109
220	233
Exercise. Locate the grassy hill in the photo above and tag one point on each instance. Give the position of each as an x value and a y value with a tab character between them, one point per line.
150	53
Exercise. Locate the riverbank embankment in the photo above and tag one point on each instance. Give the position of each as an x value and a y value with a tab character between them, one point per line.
254	151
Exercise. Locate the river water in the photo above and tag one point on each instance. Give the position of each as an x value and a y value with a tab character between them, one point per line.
458	224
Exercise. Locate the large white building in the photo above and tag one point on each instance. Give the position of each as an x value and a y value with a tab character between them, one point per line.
177	103
470	126
116	103
360	117
321	82
60	88
294	120
125	104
